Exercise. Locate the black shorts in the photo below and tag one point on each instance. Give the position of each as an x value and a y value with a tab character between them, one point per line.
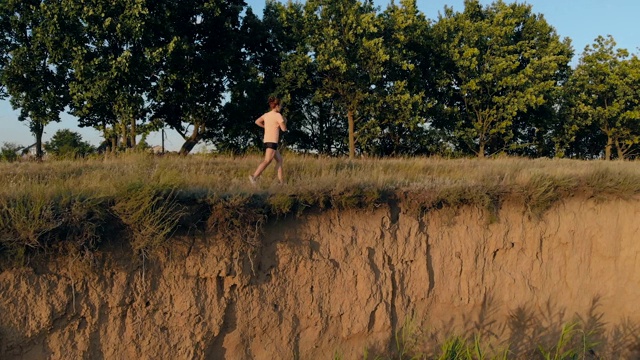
271	145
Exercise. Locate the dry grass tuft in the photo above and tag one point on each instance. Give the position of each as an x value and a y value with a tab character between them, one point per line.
150	212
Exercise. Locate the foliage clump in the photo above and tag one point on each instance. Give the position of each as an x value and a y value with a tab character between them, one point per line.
9	152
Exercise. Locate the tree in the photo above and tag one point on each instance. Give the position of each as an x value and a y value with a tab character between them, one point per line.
263	44
346	45
197	43
111	67
627	136
603	93
314	123
67	143
500	61
36	83
400	103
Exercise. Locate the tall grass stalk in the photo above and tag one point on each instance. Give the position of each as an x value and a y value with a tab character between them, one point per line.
573	343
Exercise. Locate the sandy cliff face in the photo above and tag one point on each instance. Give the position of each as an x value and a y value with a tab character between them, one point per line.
340	283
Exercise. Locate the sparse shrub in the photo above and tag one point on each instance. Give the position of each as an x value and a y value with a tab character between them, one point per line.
84	219
36	220
356	197
237	217
9	152
407	341
309	199
573	343
454	348
77	200
281	203
372	197
150	212
612	183
27	218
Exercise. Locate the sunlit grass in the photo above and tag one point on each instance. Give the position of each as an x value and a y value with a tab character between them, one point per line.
41	203
223	174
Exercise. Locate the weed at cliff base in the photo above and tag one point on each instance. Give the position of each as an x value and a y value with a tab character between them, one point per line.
573	343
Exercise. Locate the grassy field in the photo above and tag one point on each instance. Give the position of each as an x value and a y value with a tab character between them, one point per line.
149	198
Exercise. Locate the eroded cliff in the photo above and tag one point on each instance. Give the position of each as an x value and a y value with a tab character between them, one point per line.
340	282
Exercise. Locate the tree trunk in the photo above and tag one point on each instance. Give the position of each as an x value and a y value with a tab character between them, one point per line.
124	136
38	129
481	150
105	135
352	140
192	141
607	148
322	147
619	149
133	132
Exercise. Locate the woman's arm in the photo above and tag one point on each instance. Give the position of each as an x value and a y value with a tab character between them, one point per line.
260	122
283	124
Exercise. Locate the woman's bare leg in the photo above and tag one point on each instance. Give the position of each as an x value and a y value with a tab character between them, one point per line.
279	163
268	156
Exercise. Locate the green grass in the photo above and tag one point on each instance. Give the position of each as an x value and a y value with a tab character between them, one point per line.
572	343
149	198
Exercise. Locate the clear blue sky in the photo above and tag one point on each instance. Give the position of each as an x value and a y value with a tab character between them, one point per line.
580	20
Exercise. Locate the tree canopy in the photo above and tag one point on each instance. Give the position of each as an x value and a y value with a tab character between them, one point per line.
66	143
354	79
35	81
603	93
502	61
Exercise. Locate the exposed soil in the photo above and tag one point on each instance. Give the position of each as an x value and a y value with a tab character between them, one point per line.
340	282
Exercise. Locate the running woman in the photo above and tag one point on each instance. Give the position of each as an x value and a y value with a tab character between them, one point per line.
273	123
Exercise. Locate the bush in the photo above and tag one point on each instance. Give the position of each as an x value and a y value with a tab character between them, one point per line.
68	144
9	152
